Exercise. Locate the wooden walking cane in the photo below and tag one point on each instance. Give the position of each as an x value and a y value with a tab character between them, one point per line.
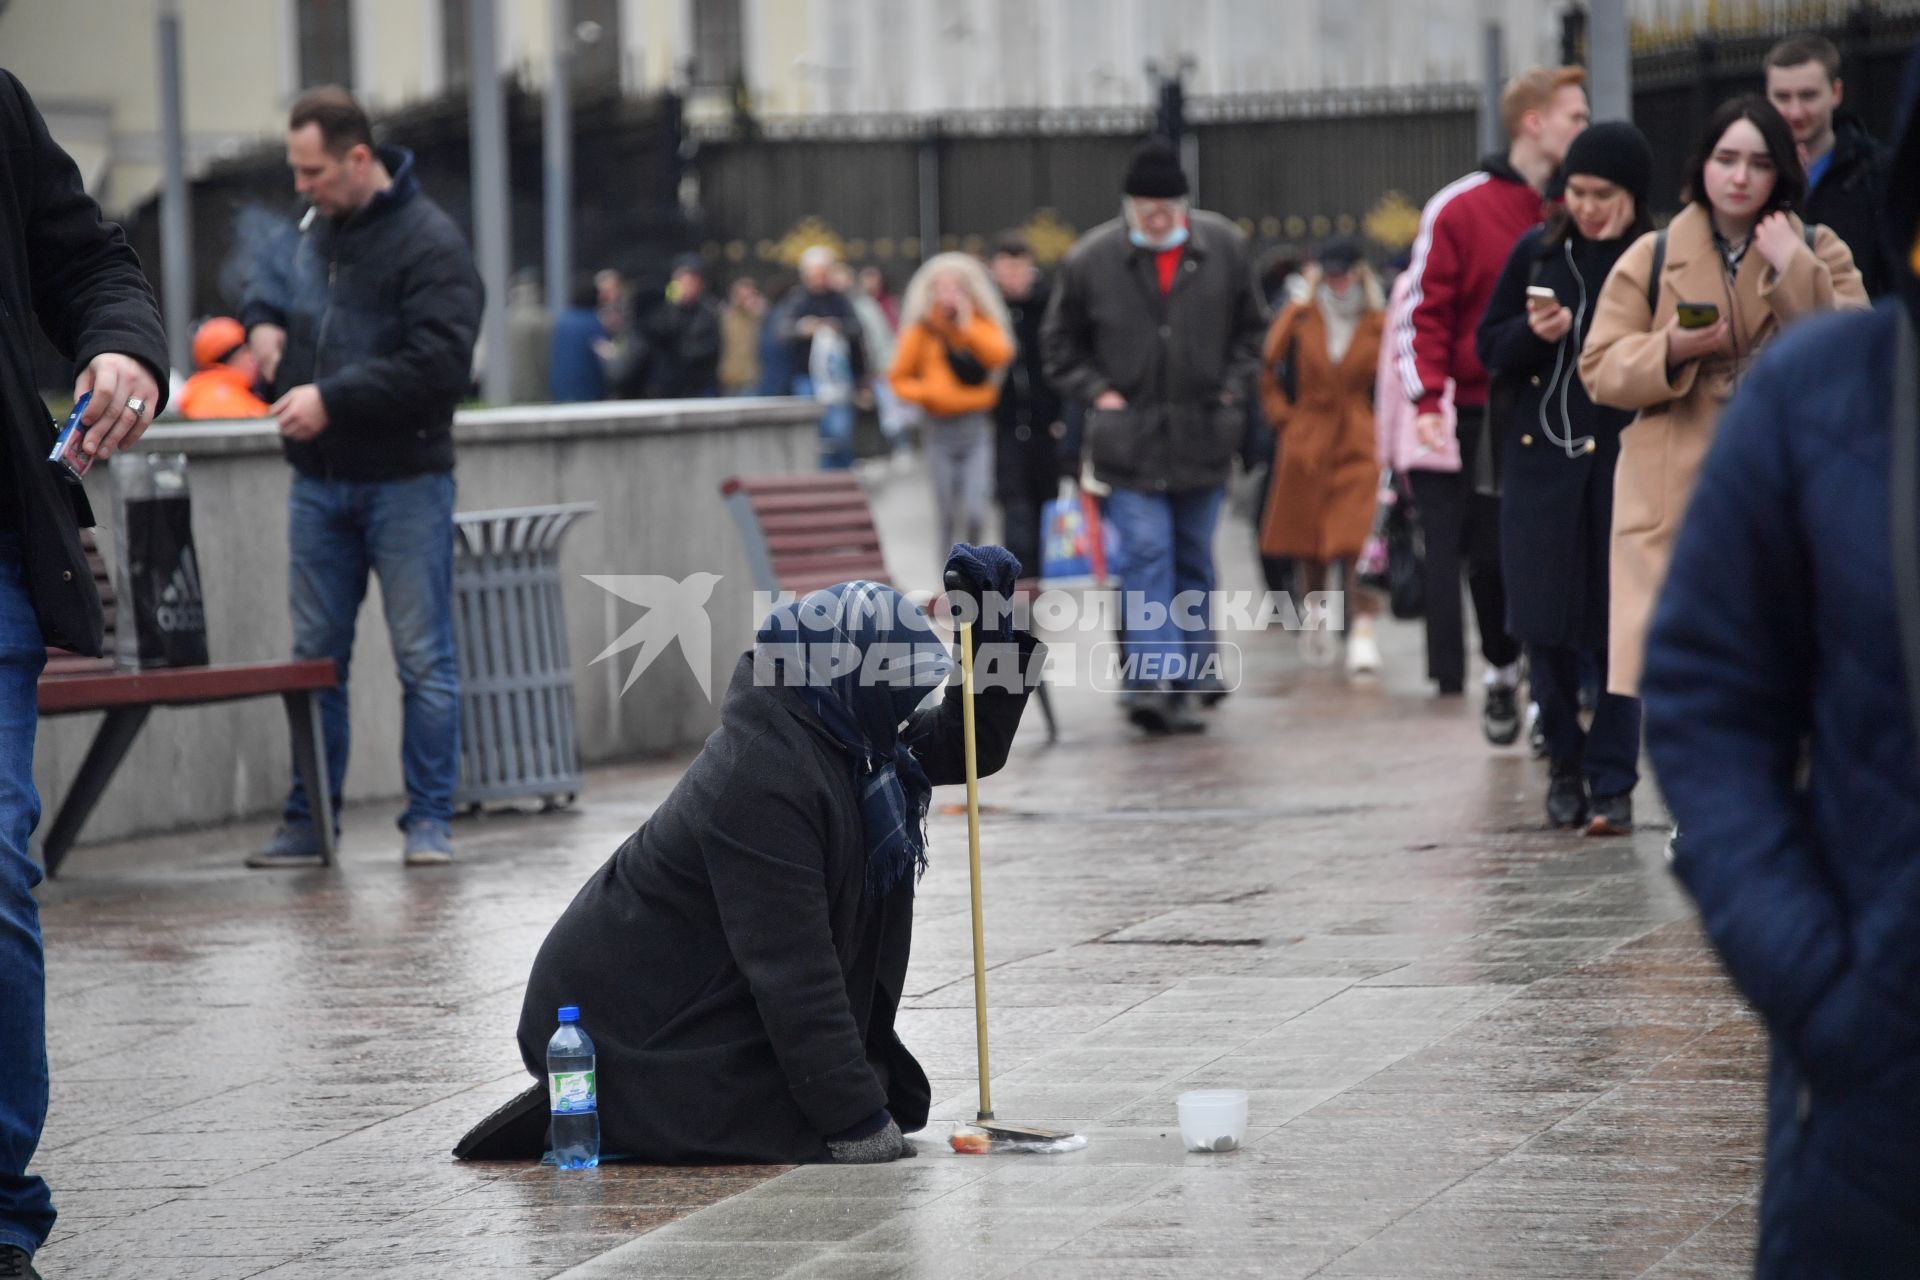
973	866
985	1120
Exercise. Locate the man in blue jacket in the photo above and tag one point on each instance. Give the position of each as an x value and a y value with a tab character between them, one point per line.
364	323
1778	638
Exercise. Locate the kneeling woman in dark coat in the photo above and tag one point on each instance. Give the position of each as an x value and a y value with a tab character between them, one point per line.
1558	457
739	960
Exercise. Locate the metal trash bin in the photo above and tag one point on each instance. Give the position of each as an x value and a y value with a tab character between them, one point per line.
517	733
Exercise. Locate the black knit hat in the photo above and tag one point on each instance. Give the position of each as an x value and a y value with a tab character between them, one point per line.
1338	253
1617	152
1155	172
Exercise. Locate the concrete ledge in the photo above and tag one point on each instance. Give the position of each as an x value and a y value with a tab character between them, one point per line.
654	470
571	422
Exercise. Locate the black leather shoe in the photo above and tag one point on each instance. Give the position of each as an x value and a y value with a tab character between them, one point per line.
1612	815
16	1263
1150	710
1566	799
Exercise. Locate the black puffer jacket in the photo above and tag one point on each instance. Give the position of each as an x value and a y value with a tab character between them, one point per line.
381	310
1849	199
64	267
1179	359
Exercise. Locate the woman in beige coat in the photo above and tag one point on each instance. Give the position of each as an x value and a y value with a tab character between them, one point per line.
1735	246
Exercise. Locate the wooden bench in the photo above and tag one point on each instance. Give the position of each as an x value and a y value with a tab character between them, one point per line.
805	532
72	684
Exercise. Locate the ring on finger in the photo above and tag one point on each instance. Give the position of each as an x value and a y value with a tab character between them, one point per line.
138	405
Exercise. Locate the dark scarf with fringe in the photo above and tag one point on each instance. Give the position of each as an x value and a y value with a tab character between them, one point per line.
870	658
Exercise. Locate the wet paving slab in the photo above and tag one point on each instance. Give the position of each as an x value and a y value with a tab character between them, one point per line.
1472	1047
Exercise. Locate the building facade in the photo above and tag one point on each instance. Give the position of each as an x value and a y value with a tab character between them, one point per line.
245	60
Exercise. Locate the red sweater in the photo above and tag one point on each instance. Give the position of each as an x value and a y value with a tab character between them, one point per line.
1467	232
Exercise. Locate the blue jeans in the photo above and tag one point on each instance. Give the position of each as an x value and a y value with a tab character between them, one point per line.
1166	548
836	429
338	530
26	1208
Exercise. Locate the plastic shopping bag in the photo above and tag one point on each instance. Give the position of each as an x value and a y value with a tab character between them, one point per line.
1075	544
162	617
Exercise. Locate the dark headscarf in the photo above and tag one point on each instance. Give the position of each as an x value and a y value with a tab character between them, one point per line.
863	657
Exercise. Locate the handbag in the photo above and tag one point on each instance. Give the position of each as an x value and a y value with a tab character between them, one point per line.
1393	559
968	371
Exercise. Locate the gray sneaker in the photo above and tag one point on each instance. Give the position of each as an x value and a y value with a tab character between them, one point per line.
294	846
428	844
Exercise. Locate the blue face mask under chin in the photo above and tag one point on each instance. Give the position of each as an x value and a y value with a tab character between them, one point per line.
1175	238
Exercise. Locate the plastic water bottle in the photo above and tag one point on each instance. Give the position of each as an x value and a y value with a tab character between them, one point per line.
573	1095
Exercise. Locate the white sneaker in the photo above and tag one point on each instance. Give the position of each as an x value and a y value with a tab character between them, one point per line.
1363	655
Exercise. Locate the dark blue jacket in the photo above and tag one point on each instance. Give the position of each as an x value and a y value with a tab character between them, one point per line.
574	371
381	310
1776	627
1556	498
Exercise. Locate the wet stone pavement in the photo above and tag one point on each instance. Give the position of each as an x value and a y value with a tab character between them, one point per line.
1473	1047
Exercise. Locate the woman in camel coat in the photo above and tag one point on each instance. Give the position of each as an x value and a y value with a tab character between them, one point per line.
1738	246
1320	506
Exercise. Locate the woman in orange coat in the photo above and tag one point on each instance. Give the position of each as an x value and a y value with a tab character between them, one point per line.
954	347
1316	386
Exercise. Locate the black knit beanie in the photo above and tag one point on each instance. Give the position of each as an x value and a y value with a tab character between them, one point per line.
1155	172
1617	152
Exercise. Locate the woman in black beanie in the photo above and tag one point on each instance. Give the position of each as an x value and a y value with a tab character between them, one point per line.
1559	451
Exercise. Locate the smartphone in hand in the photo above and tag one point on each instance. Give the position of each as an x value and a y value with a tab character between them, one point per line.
1696	315
1539	296
68	458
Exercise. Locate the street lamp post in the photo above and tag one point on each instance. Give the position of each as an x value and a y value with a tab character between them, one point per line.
487	124
176	208
1609	61
557	152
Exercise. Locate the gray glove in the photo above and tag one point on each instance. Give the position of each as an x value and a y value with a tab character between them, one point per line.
883	1146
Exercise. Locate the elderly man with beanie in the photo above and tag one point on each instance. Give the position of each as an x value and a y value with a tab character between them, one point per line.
1155	325
228	370
1559	452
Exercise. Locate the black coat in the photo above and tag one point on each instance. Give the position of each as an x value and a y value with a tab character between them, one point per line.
72	273
1849	199
1556	502
1027	455
1185	362
381	310
739	987
683	349
802	303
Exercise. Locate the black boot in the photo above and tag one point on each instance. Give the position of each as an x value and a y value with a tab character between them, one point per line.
16	1263
1612	815
1566	798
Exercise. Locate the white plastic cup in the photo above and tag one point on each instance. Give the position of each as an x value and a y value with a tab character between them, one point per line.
1213	1119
